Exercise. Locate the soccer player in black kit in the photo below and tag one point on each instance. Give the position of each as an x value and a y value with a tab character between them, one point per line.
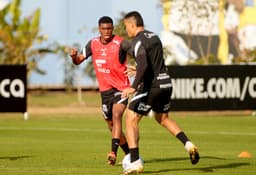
151	90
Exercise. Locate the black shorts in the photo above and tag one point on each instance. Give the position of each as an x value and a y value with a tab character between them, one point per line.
157	99
108	99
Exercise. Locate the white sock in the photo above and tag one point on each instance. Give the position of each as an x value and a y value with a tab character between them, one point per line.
189	145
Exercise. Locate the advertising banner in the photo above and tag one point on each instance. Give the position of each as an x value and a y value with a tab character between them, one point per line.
195	29
216	87
13	91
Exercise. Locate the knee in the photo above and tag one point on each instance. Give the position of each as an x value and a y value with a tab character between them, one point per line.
162	120
117	115
132	122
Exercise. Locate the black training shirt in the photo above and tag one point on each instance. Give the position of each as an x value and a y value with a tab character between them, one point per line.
148	53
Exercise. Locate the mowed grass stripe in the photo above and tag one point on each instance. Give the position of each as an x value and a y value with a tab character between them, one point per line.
104	130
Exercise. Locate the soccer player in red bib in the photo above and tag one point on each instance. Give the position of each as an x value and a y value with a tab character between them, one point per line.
108	53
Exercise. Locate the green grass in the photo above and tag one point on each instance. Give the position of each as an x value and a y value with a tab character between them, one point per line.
59	99
77	144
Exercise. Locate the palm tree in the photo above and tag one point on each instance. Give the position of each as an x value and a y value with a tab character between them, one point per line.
20	38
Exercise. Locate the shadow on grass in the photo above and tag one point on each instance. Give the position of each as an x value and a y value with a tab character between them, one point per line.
203	169
181	159
14	157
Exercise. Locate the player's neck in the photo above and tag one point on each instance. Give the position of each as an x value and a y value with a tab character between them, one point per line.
139	29
106	41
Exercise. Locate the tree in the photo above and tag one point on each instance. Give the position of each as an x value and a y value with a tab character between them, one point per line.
20	39
120	28
69	67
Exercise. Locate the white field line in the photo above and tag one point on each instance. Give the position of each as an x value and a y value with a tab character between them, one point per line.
104	130
53	129
225	133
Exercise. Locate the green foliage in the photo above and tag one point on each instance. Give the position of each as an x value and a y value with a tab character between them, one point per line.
210	59
120	28
69	67
19	37
89	70
248	56
251	56
21	42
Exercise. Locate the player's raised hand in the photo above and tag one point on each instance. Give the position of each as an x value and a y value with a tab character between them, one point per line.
73	53
131	71
76	58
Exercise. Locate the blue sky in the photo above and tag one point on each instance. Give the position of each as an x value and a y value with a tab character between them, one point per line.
61	21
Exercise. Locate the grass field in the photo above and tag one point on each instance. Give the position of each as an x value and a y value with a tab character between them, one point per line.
77	143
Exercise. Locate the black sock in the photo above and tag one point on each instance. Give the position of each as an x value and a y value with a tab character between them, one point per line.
125	148
134	154
182	137
115	144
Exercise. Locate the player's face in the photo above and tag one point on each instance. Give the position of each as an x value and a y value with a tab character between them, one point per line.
106	31
129	27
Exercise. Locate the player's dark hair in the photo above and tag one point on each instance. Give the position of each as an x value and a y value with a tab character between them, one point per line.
138	18
105	19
